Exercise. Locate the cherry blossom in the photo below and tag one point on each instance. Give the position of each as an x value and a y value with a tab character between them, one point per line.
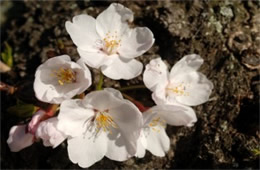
101	124
153	136
59	79
108	42
183	85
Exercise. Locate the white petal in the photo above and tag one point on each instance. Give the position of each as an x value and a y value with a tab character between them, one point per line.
19	139
122	69
129	121
40	90
176	115
84	79
101	100
61	58
158	143
82	31
156	73
47	143
83	65
73	117
197	88
116	146
48	132
159	94
114	18
141	145
87	150
95	58
115	92
188	63
136	42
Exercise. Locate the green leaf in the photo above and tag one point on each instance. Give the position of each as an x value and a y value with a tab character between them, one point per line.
22	110
7	56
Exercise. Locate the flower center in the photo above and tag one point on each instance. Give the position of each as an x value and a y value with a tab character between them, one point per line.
110	43
179	90
65	76
157	121
104	121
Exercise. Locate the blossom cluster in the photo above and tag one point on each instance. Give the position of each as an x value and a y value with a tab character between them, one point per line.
104	122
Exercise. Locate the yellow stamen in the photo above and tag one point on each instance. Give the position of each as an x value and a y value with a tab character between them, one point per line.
179	90
65	76
157	122
111	43
104	122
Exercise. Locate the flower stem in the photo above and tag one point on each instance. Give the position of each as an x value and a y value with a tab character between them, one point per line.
52	110
128	97
81	96
100	83
132	87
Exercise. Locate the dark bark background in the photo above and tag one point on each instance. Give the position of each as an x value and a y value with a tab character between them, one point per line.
225	33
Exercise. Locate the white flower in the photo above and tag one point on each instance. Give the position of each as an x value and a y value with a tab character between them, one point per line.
48	132
109	43
102	124
22	136
153	136
183	85
59	79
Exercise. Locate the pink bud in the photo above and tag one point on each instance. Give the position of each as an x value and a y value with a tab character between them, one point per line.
33	124
19	138
48	132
